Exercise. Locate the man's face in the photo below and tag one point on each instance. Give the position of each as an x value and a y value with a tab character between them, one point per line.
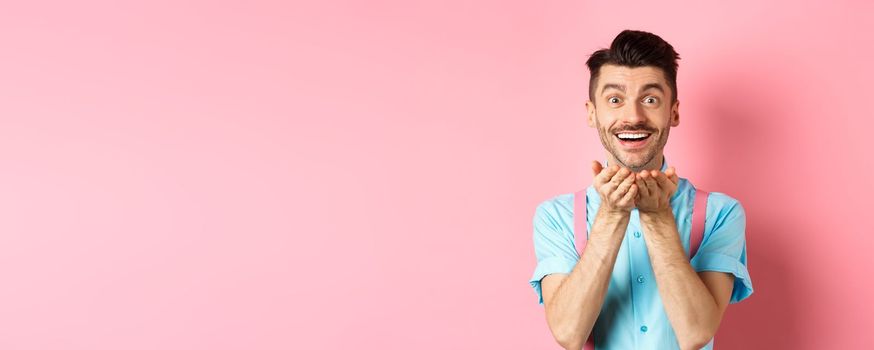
629	103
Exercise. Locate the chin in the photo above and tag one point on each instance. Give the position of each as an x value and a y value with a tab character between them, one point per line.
635	161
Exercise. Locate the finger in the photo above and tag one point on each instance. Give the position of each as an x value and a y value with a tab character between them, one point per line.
671	173
640	181
596	168
623	187
629	196
664	182
607	174
620	176
612	187
651	185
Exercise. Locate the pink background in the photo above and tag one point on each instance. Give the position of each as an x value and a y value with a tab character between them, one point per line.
337	175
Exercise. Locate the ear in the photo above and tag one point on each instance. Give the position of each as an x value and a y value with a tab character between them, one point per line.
675	113
590	108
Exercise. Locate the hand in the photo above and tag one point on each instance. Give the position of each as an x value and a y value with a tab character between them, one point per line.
656	189
616	187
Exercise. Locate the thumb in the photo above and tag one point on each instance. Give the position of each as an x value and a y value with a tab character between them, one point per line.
671	173
596	168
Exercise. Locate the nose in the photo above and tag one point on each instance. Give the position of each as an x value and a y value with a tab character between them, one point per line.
633	114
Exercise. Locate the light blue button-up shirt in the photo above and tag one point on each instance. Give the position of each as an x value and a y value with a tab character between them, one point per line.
633	316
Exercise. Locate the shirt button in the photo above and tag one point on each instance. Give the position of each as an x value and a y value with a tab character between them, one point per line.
637	234
639	278
643	329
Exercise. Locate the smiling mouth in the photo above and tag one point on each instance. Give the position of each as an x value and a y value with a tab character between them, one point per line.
632	140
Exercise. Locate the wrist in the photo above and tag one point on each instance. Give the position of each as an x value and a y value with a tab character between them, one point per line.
658	216
615	214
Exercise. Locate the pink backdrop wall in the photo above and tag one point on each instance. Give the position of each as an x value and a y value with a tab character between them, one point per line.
336	175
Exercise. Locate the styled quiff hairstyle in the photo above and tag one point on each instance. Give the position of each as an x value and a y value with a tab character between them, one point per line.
634	48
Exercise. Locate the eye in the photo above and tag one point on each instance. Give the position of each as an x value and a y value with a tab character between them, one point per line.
613	99
650	100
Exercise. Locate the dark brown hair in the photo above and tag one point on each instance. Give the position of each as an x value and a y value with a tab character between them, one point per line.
634	48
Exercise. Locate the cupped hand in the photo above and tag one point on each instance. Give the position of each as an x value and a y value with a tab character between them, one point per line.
616	186
655	190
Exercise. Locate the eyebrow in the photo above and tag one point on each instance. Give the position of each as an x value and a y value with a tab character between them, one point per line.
621	87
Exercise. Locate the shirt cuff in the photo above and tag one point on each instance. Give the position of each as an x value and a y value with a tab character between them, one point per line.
547	266
743	286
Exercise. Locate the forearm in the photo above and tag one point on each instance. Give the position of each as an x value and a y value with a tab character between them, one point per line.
688	303
578	299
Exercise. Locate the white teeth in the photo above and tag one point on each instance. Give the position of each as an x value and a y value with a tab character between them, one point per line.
632	136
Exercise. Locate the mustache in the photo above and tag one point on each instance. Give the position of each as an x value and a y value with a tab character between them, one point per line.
649	130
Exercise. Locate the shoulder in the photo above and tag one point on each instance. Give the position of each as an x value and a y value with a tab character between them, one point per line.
721	206
555	211
718	203
556	206
725	218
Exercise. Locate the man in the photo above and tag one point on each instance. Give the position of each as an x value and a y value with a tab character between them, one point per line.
634	286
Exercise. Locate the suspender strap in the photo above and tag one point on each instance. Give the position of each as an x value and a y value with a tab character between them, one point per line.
699	212
581	232
580	229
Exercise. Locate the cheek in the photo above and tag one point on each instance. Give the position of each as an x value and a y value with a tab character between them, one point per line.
659	119
605	121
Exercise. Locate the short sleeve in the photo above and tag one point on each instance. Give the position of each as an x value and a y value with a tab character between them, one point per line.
553	246
724	246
